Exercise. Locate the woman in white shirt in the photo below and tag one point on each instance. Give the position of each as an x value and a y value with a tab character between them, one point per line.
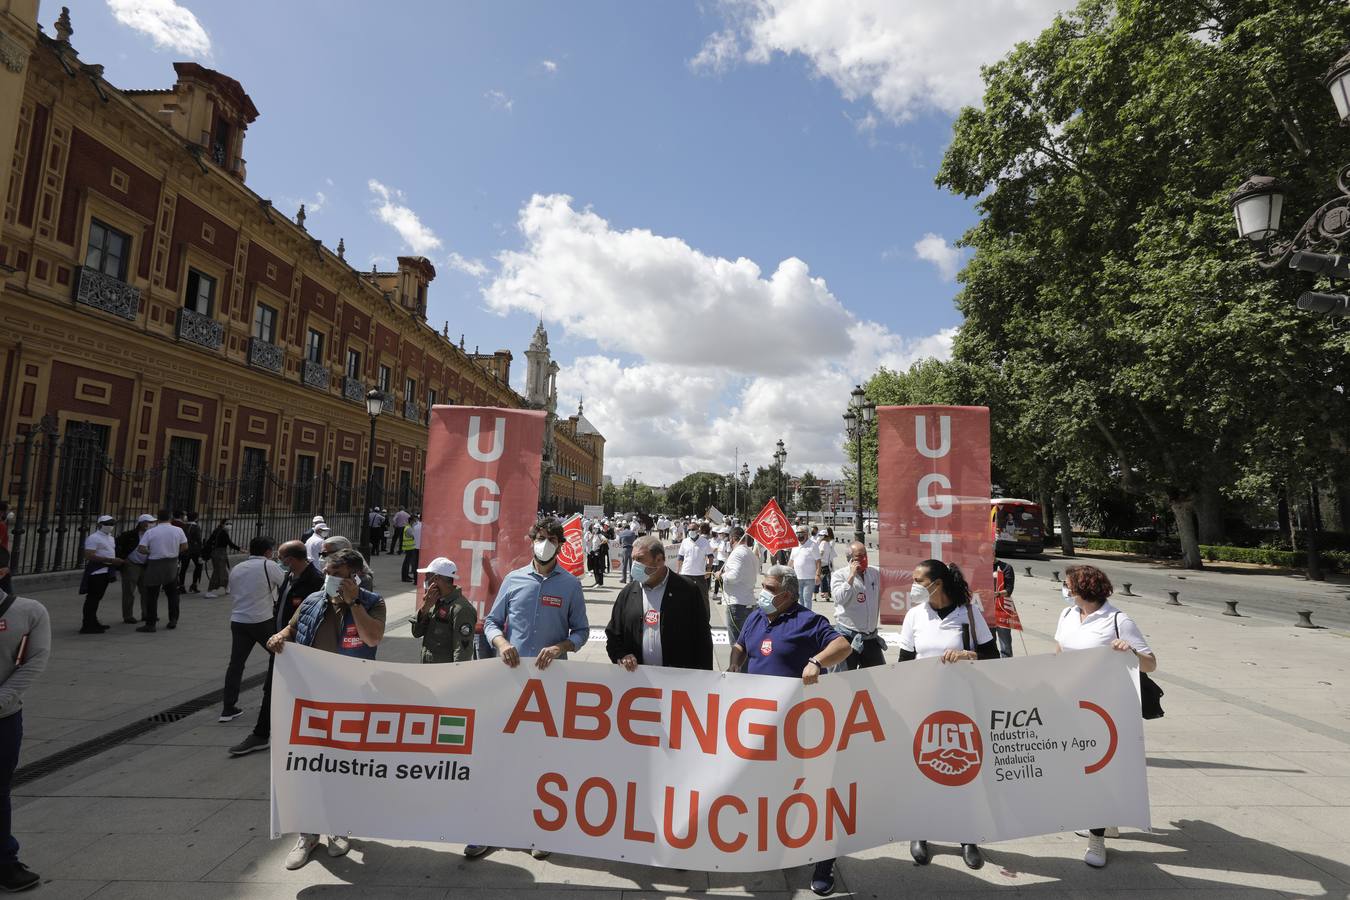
942	622
1090	621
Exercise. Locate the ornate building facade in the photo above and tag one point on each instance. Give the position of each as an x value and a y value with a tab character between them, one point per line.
156	308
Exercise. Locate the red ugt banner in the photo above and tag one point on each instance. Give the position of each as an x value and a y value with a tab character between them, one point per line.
572	554
933	498
772	529
481	494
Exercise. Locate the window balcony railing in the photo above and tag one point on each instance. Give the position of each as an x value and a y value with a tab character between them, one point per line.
314	375
199	329
410	411
353	389
267	356
388	405
93	288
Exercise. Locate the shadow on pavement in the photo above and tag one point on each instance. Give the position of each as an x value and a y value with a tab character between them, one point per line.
1168	763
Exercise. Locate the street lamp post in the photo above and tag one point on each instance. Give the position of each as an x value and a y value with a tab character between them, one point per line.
574	491
779	457
745	477
1316	247
857	418
374	406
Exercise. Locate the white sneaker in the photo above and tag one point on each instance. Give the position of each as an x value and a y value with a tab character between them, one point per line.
304	846
210	595
1096	852
1112	832
338	845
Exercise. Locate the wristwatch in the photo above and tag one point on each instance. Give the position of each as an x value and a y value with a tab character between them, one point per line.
816	663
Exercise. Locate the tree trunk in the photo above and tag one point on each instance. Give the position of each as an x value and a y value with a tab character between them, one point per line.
1047	512
1313	525
1183	511
1209	510
1286	521
1065	526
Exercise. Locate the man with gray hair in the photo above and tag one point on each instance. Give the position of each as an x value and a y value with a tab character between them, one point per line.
856	589
658	618
335	542
783	637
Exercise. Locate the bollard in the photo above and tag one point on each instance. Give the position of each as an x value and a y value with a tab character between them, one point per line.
1172	598
1055	576
1304	619
1128	592
1028	571
1232	608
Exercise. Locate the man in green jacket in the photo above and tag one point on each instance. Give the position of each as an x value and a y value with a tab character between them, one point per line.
445	619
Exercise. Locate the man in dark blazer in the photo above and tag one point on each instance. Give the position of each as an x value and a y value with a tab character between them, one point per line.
659	618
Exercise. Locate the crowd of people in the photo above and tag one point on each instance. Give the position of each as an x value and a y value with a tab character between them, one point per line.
317	590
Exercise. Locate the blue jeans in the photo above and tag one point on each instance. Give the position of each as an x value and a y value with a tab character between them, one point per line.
736	616
11	736
806	591
1004	636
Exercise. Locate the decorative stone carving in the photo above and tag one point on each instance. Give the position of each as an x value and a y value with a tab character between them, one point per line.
12	53
200	329
104	292
314	375
265	356
353	389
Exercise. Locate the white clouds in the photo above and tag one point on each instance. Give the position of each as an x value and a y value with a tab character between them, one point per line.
906	57
701	354
166	23
391	211
499	100
549	66
934	248
718	53
474	267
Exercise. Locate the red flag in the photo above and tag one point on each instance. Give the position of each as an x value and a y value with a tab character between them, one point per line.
572	555
482	493
933	486
771	528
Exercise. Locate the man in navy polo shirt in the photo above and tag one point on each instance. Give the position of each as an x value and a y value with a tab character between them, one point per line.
782	637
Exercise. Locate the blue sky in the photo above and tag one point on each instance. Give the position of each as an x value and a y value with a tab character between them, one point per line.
720	209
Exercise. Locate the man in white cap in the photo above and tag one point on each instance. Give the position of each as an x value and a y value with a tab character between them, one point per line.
314	545
313	523
101	561
445	618
133	565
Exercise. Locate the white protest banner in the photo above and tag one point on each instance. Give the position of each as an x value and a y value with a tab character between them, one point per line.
593	511
705	770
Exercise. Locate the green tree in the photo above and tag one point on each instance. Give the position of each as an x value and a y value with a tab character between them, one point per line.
810	490
1108	304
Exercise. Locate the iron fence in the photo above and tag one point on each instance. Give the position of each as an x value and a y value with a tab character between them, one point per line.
58	484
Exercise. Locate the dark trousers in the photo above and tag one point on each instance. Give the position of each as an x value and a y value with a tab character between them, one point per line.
736	616
97	587
396	542
376	539
11	736
410	564
873	653
150	602
264	727
243	635
183	563
1004	636
625	564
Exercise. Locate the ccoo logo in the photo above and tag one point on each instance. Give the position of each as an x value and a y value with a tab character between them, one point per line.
948	749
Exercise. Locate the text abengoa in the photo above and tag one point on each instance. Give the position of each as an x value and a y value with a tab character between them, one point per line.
705	770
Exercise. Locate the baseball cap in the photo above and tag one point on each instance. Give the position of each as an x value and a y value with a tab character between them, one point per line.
144	517
316	520
106	520
441	566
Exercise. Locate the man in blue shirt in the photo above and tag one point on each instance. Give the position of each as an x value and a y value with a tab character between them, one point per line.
539	612
782	637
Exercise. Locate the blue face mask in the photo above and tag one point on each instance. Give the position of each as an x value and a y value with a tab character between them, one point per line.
638	572
765	601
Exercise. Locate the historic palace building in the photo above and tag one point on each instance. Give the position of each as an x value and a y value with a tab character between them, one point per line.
167	337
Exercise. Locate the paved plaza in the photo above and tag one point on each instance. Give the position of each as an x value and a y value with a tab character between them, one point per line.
1249	773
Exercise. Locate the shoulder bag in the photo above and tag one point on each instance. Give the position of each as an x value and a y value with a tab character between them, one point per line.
1150	695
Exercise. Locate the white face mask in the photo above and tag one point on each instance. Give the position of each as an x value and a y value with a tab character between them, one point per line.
331	584
918	594
764	600
1068	597
544	551
106	529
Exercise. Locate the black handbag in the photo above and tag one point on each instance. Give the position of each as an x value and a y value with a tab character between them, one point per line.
1150	695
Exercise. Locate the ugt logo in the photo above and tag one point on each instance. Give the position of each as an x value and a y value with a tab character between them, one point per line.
774	526
948	749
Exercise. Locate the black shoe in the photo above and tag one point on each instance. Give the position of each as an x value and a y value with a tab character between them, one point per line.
172	625
972	855
128	620
249	744
229	715
919	850
148	626
822	879
93	629
16	876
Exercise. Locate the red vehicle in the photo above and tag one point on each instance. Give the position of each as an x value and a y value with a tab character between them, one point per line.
1018	526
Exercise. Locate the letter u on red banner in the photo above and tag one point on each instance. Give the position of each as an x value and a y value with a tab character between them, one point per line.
933	497
481	493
